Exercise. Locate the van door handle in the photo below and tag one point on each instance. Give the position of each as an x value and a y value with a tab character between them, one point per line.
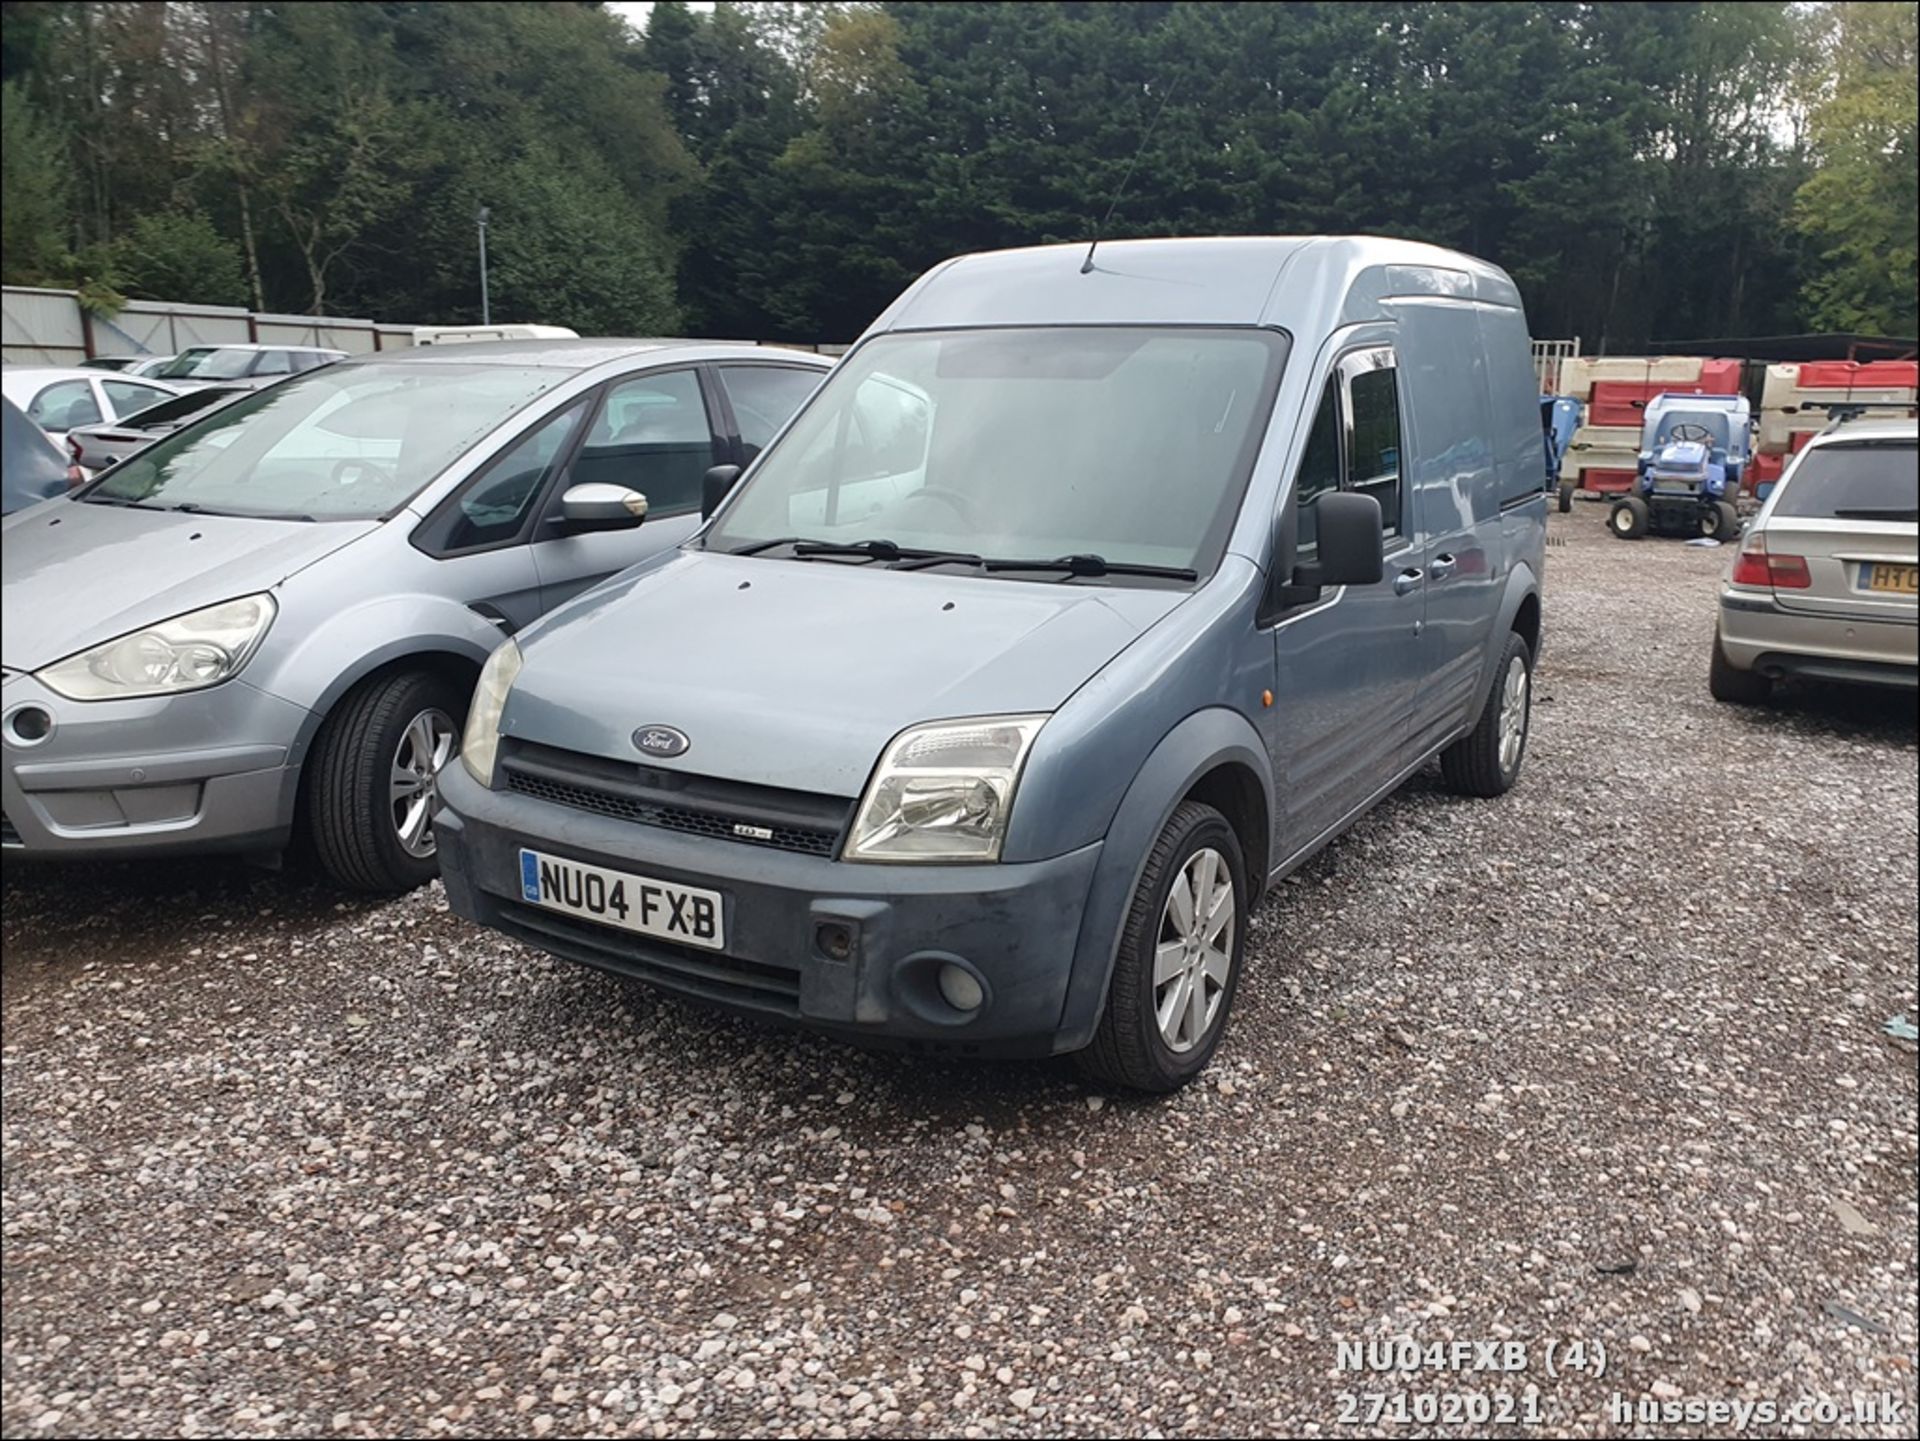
1441	566
1406	582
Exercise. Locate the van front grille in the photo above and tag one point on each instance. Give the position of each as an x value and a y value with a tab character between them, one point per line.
691	805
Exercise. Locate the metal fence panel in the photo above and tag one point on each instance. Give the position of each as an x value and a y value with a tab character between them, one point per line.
41	327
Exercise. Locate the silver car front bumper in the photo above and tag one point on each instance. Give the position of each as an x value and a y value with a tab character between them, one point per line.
208	770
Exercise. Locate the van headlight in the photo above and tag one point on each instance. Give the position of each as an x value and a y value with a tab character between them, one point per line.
189	652
482	738
942	791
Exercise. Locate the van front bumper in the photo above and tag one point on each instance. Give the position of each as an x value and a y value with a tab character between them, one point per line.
203	771
1014	928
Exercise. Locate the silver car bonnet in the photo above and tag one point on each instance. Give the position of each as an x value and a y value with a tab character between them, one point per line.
797	673
73	575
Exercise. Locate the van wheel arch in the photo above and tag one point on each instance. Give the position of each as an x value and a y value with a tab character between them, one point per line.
1234	790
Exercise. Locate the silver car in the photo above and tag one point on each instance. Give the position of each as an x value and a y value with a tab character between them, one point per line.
1827	579
271	621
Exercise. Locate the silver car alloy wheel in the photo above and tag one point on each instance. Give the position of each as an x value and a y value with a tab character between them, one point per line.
1513	715
1194	954
424	747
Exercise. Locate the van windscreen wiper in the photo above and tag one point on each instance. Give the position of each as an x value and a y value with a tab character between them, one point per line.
885	551
1093	565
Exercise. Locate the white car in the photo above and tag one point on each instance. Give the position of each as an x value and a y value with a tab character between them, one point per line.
59	398
1826	584
249	365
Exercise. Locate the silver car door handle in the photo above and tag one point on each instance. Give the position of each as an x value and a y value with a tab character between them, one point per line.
1441	566
1406	582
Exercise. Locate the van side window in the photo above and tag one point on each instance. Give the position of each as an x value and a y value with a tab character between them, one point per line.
1373	457
1319	469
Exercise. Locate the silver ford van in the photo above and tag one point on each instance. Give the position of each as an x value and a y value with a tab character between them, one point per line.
1092	593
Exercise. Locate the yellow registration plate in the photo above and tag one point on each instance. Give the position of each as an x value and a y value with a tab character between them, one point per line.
1900	579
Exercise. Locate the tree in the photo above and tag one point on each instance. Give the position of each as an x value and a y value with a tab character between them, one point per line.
178	255
1861	209
34	191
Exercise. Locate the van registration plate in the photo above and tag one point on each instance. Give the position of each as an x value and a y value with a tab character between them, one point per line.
1900	579
685	915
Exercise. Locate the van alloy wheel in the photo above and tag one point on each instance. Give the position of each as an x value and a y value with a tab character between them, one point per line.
1177	966
1195	952
424	747
1513	714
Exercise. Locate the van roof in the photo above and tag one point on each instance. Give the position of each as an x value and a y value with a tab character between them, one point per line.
1302	282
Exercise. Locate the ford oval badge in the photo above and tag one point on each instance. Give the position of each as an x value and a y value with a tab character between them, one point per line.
661	740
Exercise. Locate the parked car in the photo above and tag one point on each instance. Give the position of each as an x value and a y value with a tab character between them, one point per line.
150	364
1086	598
1826	583
58	398
98	446
111	362
32	469
249	365
273	618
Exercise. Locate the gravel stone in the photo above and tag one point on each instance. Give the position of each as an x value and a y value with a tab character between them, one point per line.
1601	1061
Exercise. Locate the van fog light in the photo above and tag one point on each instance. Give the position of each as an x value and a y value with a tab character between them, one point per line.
960	988
834	940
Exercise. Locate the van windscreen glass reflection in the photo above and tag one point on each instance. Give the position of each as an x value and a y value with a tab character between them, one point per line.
1132	444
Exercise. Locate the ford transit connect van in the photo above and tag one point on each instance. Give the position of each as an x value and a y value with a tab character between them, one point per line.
1091	594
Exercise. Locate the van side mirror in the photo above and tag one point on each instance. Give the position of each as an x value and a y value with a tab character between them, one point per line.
1350	549
598	505
714	486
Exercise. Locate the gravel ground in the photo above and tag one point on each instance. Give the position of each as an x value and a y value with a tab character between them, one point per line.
1602	1062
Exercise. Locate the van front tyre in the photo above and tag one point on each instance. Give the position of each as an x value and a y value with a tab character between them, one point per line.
1566	496
371	780
1486	761
1179	960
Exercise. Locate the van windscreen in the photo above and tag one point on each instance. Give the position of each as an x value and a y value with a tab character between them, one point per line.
1130	443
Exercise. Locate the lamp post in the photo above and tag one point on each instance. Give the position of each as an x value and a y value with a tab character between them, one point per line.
486	310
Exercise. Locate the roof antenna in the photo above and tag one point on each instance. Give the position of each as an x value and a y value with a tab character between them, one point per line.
1166	95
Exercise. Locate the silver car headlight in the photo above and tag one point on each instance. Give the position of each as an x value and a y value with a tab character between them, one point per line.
942	791
482	738
189	652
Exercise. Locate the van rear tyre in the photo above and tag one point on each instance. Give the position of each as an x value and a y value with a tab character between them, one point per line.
1486	761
